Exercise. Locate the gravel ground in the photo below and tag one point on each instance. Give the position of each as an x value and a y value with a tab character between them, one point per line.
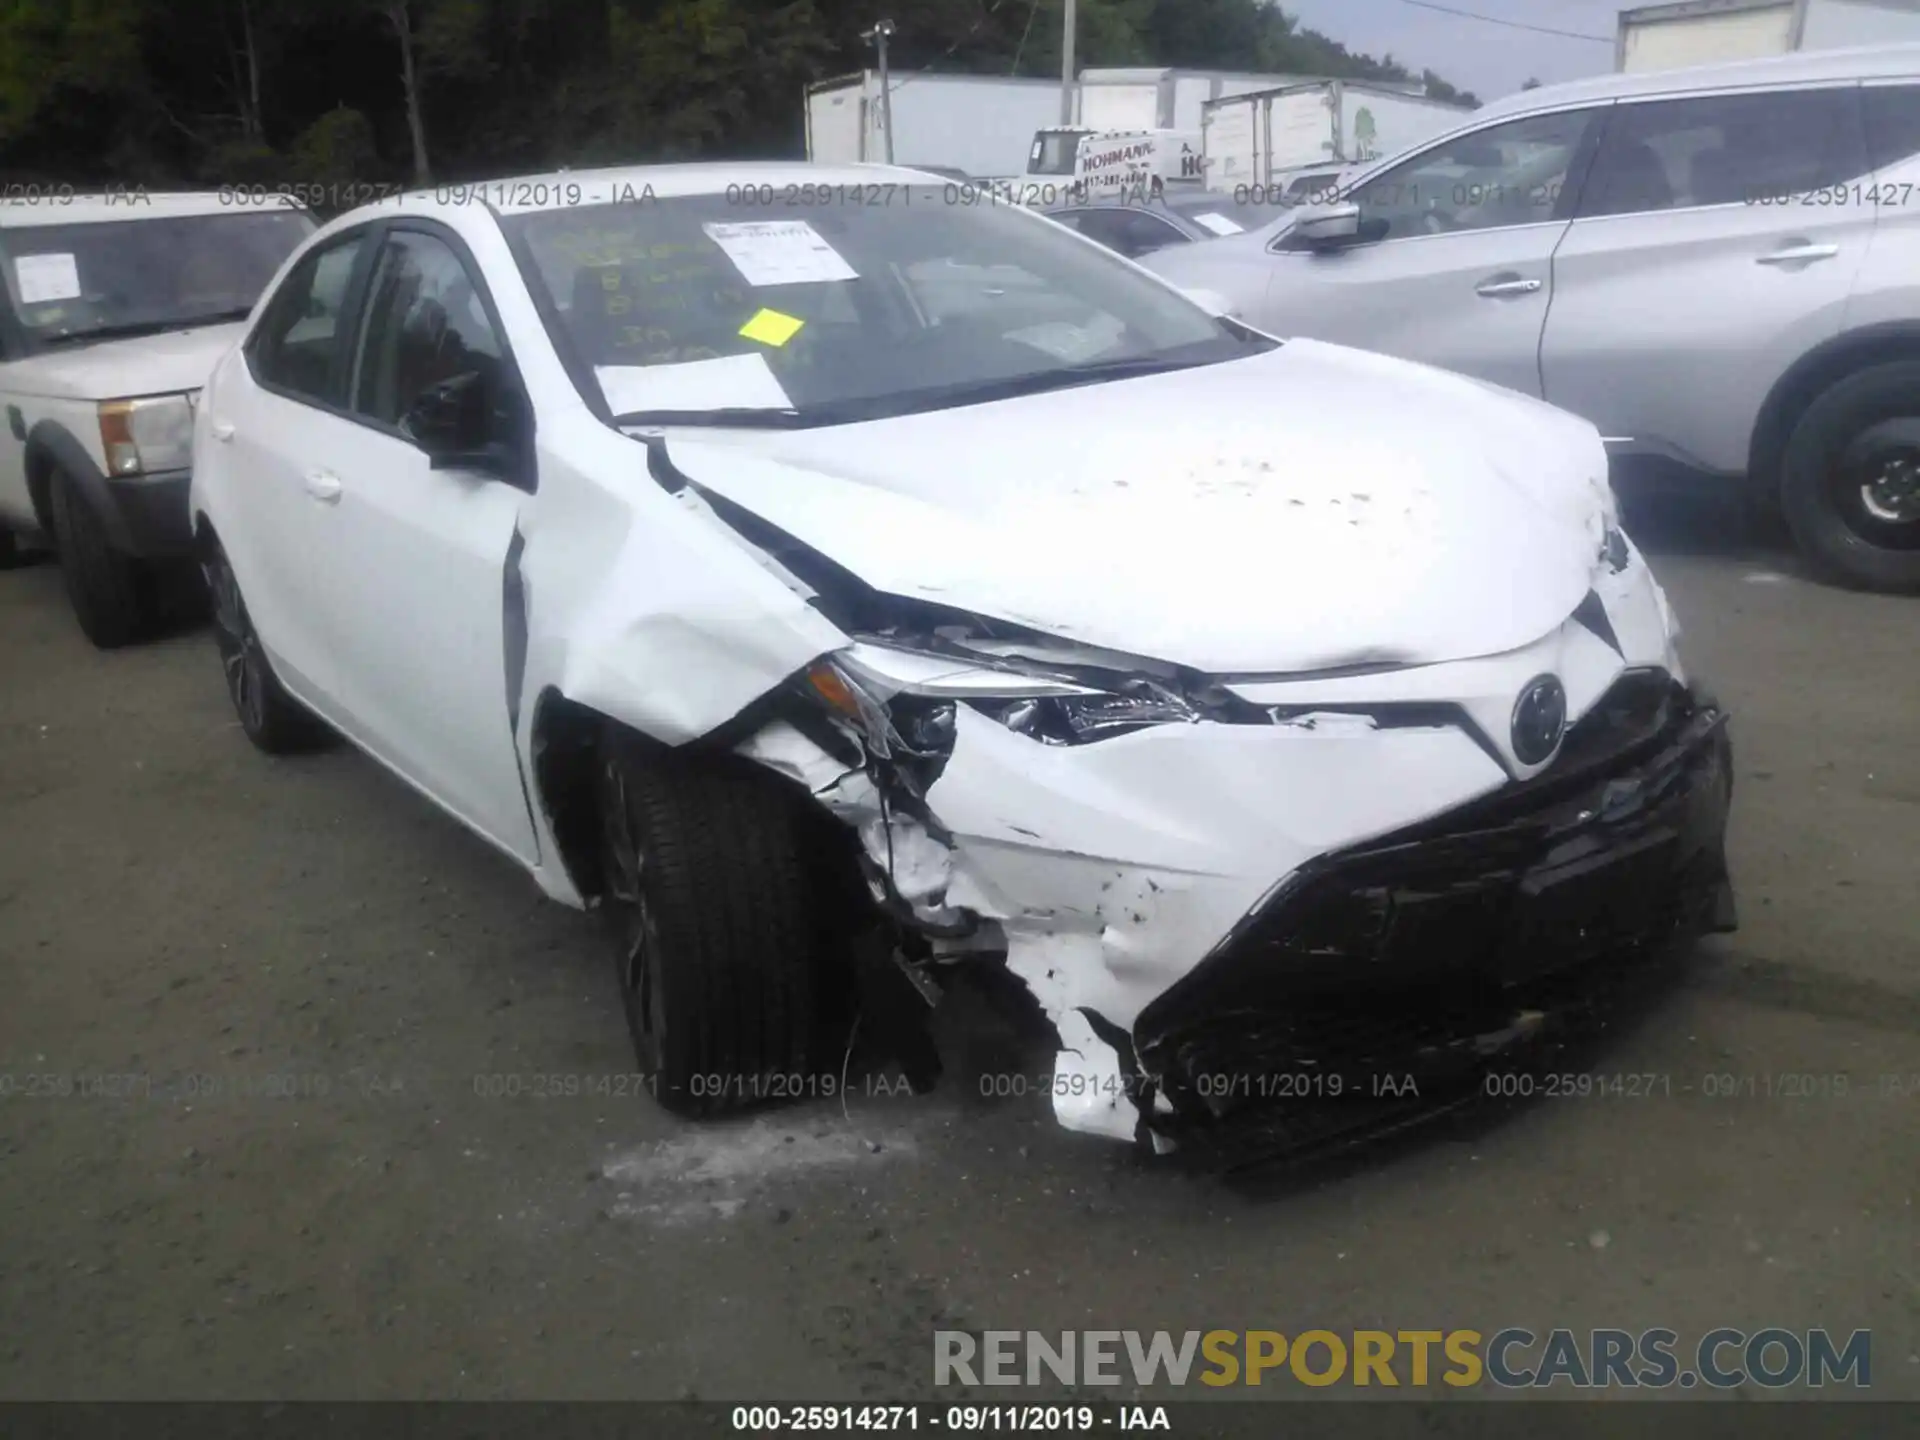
341	1162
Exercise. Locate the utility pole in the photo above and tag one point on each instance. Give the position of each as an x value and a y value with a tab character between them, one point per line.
878	35
1066	68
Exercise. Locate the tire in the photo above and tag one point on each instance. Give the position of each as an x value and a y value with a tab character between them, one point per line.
11	555
1850	479
273	720
716	927
111	593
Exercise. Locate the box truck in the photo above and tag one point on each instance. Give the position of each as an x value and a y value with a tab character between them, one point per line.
1701	32
1259	142
1114	102
980	124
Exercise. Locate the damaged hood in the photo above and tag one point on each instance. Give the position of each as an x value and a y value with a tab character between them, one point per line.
1308	508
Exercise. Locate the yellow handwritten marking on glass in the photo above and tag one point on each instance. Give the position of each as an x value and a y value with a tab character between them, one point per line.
770	327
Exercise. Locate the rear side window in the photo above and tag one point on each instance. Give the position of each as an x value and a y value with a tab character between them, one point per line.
1892	115
1725	150
297	349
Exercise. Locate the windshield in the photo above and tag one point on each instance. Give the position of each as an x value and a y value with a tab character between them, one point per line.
72	283
699	307
1055	152
1222	215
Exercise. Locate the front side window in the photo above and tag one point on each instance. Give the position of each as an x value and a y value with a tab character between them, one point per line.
297	347
1504	175
114	279
1892	114
1752	149
425	325
1055	152
845	312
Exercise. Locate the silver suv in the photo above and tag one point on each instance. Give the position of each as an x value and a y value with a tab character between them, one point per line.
1719	267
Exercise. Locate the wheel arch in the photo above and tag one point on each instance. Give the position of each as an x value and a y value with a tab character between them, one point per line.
564	744
52	448
1824	365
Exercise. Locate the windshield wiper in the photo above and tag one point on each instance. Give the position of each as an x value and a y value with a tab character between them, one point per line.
743	416
1013	386
133	330
218	317
112	332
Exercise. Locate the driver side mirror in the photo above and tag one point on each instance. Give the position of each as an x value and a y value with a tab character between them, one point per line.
464	423
1328	227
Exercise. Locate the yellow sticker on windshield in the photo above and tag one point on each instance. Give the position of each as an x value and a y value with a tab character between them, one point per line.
770	327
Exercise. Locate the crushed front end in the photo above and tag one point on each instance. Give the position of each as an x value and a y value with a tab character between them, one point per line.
1231	892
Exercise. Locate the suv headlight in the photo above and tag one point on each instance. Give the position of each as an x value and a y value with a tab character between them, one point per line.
142	437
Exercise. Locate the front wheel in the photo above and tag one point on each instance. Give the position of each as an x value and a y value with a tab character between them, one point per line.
111	593
716	927
272	719
1850	479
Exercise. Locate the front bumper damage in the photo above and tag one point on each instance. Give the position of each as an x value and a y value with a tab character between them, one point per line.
1218	917
1395	976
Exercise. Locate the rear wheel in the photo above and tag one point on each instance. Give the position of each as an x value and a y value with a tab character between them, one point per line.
1850	483
10	552
272	719
716	926
110	592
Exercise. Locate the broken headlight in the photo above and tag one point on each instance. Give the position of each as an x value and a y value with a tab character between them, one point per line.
906	699
1080	719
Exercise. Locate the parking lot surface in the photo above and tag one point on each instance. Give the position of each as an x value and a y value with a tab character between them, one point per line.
308	1094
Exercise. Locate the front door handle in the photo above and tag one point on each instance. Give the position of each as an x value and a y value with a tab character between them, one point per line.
324	486
222	430
1797	252
1500	287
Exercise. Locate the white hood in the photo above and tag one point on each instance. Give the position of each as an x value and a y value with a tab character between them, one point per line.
165	364
1312	507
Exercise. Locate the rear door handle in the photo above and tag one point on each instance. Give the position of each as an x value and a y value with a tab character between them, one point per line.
222	430
1500	288
1792	254
324	486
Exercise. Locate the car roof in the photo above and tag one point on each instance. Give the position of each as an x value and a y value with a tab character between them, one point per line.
62	205
1802	67
567	189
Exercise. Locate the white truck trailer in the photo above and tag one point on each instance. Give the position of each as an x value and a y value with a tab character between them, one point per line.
980	124
1701	32
1258	142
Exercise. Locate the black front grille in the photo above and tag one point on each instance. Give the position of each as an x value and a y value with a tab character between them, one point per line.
1422	945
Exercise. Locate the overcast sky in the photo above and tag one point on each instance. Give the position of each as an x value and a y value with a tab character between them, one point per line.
1489	59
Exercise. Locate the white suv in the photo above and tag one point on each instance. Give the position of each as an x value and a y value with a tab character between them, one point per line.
1719	267
112	311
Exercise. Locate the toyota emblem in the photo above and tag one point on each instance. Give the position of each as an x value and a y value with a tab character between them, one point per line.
1539	720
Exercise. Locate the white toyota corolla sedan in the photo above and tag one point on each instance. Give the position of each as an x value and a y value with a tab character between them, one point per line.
841	579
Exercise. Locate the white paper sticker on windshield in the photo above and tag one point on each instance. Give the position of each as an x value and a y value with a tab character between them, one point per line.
1070	343
1219	224
729	382
46	277
779	252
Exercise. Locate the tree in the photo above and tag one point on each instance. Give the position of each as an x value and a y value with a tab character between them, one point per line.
1531	84
233	91
399	14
